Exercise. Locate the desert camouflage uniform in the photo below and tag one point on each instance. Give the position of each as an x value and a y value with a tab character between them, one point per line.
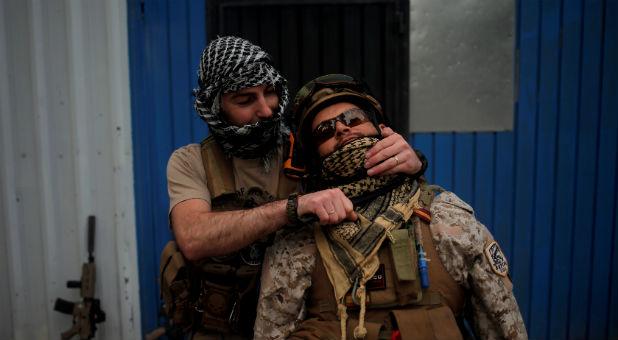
460	241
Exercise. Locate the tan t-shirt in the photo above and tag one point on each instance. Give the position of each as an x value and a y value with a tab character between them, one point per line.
186	177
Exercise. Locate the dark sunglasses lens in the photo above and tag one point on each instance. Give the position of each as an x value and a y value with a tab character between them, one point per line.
327	129
354	117
324	131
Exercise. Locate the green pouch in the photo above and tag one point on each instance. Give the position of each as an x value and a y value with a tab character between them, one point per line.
404	254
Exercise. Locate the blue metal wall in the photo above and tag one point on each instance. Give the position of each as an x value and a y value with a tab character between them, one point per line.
547	190
165	42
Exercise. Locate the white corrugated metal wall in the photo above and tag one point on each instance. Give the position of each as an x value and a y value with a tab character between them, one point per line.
66	154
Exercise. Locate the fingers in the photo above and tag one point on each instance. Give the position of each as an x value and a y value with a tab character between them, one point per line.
386	131
330	206
389	143
391	155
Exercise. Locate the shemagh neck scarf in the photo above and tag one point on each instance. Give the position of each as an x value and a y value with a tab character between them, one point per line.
349	250
229	64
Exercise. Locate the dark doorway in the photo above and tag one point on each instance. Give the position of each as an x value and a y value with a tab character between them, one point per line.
365	39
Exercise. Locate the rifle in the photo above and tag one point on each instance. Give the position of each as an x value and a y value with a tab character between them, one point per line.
86	313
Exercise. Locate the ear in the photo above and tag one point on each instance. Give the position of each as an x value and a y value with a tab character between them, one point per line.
382	126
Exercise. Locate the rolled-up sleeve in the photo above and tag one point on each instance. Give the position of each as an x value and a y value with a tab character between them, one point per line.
461	241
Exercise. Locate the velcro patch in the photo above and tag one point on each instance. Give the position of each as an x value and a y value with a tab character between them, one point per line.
496	258
378	281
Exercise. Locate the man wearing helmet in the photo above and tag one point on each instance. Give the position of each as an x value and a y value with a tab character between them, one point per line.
228	193
413	265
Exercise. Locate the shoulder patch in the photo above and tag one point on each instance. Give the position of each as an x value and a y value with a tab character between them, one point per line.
496	258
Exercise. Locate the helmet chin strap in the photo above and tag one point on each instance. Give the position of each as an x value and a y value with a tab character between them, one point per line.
374	119
379	135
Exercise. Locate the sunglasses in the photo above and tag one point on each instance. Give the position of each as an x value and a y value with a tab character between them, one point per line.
327	129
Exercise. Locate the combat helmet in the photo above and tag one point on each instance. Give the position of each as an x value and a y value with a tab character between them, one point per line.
324	91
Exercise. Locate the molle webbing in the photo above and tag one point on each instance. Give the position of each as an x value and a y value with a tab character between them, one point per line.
403	256
220	173
398	293
440	280
443	300
177	287
204	295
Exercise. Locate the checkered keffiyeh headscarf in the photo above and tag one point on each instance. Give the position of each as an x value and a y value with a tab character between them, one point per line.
229	64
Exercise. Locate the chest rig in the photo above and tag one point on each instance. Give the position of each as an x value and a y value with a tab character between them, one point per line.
397	302
217	294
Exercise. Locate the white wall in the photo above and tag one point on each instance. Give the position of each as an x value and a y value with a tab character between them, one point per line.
65	148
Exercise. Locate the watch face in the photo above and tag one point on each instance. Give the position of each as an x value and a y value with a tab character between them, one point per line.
252	254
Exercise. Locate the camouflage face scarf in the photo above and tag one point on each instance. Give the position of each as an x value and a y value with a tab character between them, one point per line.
229	64
349	249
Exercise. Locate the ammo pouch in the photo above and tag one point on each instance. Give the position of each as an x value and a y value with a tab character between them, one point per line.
397	283
216	297
177	290
227	300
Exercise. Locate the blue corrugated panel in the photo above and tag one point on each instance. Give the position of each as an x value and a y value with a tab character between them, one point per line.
142	167
563	241
157	47
180	76
163	65
587	162
464	163
504	192
197	42
547	190
548	84
443	158
484	175
525	150
603	317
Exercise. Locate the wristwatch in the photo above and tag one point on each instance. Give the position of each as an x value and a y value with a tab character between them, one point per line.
424	163
291	209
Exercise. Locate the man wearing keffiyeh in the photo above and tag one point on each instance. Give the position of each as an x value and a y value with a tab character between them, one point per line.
413	265
228	193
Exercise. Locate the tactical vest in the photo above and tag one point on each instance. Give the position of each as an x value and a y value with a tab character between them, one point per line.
216	295
392	304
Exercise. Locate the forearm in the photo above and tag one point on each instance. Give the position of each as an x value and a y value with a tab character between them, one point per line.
201	233
207	233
